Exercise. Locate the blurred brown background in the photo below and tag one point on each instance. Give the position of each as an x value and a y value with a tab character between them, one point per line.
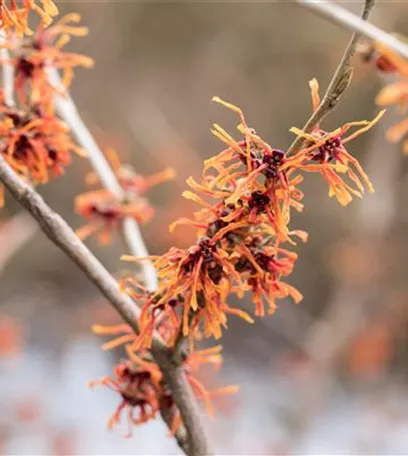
326	377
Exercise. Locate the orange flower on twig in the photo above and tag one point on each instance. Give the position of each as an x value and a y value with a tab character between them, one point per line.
34	56
326	153
35	144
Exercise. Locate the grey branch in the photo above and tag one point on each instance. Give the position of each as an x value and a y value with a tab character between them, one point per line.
134	241
348	20
169	360
64	237
338	84
7	73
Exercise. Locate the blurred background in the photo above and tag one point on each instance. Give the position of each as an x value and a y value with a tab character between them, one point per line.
328	376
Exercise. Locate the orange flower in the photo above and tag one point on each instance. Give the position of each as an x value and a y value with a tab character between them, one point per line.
142	388
379	55
105	213
15	17
33	56
36	145
200	276
129	180
326	153
139	383
251	178
396	93
261	267
246	211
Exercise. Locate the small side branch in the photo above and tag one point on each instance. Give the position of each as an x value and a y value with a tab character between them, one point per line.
339	82
350	21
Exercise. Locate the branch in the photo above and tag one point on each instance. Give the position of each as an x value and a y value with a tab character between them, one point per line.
67	111
8	73
340	80
345	19
64	237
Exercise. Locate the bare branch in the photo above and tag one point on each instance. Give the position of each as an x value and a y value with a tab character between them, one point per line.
338	84
8	74
169	360
67	110
63	236
348	20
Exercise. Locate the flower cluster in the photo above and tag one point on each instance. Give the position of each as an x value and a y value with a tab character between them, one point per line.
36	144
246	196
34	141
394	69
144	393
34	56
244	237
105	211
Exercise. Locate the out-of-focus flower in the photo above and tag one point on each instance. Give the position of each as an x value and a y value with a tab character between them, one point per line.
371	351
33	57
35	144
395	91
138	382
11	337
128	178
14	17
143	390
105	213
376	53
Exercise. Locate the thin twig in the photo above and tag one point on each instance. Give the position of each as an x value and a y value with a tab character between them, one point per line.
7	73
338	84
62	236
67	110
348	20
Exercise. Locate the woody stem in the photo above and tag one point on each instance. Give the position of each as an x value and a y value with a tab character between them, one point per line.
339	82
7	74
169	360
59	232
133	238
350	21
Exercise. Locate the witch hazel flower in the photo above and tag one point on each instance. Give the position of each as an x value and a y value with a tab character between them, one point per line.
37	145
245	196
34	56
144	393
105	211
325	153
395	92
